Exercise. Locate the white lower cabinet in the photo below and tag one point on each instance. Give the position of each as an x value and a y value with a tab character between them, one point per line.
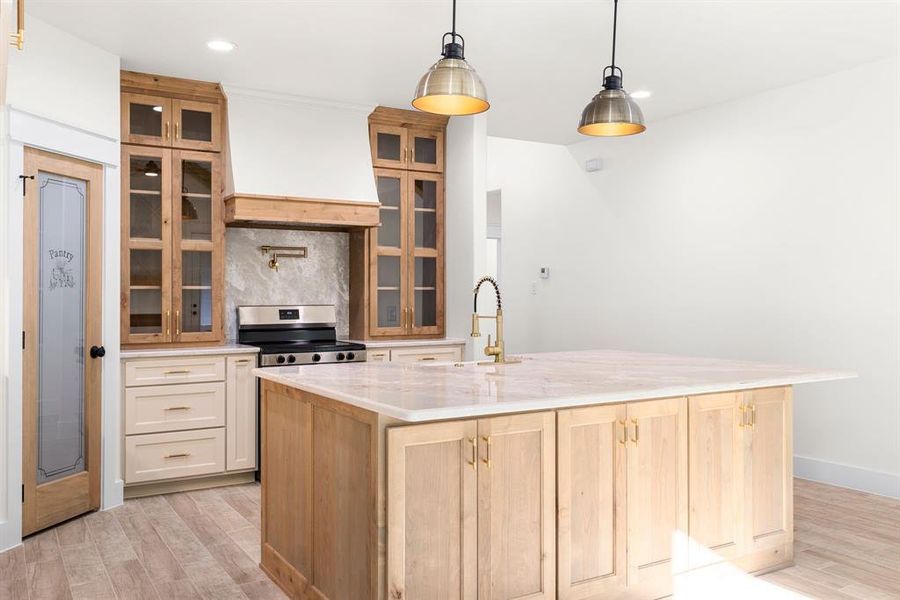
241	430
189	416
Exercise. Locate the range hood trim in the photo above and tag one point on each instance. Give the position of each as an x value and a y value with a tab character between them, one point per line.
291	212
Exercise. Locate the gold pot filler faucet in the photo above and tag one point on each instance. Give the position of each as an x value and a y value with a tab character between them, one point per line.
496	350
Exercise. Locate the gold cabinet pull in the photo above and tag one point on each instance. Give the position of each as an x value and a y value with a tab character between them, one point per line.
742	422
637	431
412	317
176	130
177	408
168	322
177	372
474	461
427	358
752	415
166	136
177	322
624	425
242	361
487	458
179	455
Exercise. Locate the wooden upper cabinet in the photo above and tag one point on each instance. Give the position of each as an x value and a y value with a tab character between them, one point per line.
397	270
657	479
197	125
146	120
591	502
173	232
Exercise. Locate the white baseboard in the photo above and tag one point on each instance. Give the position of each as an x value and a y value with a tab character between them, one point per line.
855	478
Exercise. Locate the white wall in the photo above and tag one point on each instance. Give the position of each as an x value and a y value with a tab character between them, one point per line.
63	97
766	228
288	146
465	221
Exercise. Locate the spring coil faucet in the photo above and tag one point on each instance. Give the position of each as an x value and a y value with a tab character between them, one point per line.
497	349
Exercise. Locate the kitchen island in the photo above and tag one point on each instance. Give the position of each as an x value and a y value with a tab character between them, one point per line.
569	475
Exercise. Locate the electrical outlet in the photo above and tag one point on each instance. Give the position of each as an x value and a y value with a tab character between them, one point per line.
545	272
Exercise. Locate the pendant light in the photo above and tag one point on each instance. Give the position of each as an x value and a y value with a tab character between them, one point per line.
612	112
451	86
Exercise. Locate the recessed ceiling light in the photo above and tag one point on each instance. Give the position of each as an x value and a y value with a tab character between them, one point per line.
220	45
640	94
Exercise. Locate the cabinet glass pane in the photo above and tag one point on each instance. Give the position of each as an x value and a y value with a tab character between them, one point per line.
196	125
145	119
425	292
389	291
425	213
196	200
145	294
425	149
60	422
196	291
145	174
388	146
145	216
389	196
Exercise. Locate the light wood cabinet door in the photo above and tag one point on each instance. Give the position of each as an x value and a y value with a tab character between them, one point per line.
426	150
390	146
431	511
389	302
591	502
716	491
768	473
657	479
425	247
517	507
146	120
198	125
240	401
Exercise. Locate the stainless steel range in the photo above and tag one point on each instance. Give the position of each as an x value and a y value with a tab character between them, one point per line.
295	335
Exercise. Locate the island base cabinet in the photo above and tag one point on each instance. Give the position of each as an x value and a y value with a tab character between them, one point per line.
471	509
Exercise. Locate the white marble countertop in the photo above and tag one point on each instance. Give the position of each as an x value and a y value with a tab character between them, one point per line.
374	344
187	351
416	392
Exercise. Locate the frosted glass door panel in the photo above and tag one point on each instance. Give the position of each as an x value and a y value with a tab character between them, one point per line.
61	270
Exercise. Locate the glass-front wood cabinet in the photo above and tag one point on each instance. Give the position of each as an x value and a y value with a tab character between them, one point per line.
171	122
172	238
401	292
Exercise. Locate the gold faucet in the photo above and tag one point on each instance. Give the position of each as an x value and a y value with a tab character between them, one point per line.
497	349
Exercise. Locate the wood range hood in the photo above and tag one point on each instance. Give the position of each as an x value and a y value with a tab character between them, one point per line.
289	212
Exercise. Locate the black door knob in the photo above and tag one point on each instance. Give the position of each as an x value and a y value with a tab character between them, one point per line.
98	351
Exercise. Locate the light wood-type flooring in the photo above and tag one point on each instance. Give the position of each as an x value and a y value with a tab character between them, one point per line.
205	544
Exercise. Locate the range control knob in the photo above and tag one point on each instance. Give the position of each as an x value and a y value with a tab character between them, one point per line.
350	356
340	356
280	359
316	357
292	359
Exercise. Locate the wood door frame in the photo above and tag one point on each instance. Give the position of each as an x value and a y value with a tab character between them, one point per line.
424	132
164	246
215	247
92	173
386	163
437	253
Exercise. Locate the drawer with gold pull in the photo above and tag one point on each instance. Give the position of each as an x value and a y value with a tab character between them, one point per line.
428	354
156	456
158	408
176	369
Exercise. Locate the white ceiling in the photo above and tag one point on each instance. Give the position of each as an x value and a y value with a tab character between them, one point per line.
540	59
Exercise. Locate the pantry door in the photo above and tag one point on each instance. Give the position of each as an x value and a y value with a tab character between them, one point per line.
61	345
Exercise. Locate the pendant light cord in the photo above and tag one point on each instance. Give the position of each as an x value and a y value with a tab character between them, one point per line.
615	21
454	19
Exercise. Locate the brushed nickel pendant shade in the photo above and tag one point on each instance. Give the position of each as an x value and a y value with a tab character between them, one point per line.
612	112
451	86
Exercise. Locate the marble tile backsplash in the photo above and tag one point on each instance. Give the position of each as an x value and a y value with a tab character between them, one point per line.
321	278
